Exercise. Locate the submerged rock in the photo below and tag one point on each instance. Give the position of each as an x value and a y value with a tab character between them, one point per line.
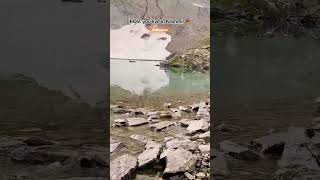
179	160
123	167
137	121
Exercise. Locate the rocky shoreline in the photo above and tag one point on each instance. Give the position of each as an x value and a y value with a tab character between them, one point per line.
295	152
184	154
50	159
195	59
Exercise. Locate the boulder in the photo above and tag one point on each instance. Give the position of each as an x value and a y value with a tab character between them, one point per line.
176	113
179	160
161	125
123	167
148	156
272	144
204	148
238	151
198	125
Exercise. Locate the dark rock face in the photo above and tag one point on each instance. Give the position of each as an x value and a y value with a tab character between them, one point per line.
238	151
37	141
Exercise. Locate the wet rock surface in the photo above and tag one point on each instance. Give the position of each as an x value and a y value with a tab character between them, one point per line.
49	158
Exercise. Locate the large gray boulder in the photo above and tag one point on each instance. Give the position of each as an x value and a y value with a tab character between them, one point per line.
179	160
123	167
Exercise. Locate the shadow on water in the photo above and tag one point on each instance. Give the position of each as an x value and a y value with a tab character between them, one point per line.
262	85
53	78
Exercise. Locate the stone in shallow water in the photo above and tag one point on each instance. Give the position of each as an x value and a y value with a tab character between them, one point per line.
179	160
161	125
120	122
140	138
165	115
137	121
123	167
198	125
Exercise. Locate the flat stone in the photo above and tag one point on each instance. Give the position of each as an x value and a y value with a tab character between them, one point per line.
182	143
179	160
204	148
137	121
184	109
123	167
204	135
238	151
148	156
198	125
165	115
189	176
161	125
140	138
